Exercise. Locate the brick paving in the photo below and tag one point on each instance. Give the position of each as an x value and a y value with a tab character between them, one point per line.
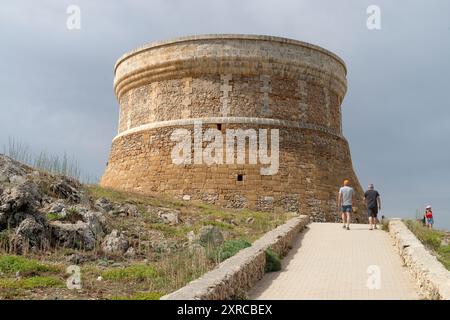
329	262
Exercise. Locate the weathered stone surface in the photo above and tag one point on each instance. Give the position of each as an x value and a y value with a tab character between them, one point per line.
66	188
96	222
210	236
115	243
234	82
32	235
27	197
169	216
233	277
73	235
56	207
16	201
432	277
127	210
104	205
130	253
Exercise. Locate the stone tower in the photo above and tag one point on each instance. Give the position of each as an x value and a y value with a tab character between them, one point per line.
211	85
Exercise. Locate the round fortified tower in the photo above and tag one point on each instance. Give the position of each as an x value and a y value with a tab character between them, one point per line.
241	121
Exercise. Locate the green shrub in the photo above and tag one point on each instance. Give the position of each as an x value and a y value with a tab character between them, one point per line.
273	261
139	272
12	264
228	249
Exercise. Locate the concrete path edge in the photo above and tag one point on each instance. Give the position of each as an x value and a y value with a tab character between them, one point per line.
431	276
234	276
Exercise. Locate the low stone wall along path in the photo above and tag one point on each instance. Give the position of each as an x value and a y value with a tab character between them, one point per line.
329	262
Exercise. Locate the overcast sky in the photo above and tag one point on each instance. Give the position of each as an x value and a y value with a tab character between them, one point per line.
57	95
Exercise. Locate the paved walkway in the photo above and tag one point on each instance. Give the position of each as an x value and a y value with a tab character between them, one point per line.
328	262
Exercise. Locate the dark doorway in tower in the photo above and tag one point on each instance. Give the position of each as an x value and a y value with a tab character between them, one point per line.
219	126
240	177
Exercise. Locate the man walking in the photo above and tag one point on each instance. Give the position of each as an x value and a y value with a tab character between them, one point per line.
345	202
373	202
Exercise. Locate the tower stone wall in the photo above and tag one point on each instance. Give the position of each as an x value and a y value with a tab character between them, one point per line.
234	82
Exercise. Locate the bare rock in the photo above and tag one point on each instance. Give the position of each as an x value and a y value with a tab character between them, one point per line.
96	222
191	237
66	188
56	207
131	253
115	243
31	234
169	216
10	168
20	198
104	205
127	210
73	235
210	236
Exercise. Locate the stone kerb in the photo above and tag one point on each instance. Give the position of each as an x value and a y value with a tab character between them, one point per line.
239	273
431	276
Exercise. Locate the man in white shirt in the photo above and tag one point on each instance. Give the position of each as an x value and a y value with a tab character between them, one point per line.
345	202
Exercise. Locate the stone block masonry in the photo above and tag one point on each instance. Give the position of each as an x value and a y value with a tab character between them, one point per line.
234	82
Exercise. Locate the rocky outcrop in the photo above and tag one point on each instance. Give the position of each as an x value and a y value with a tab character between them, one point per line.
115	243
27	196
31	235
73	235
169	216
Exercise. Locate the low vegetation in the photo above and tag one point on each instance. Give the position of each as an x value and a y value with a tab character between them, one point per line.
435	240
137	272
273	261
228	249
164	258
10	264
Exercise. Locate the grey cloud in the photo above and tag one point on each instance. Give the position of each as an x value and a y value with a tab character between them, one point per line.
57	91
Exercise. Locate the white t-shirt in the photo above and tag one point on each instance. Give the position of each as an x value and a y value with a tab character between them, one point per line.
346	195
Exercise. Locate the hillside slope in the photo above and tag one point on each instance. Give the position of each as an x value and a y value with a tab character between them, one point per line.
116	245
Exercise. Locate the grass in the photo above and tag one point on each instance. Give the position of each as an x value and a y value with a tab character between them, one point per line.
141	200
140	296
31	283
137	272
61	165
444	256
53	216
429	237
228	249
10	264
432	239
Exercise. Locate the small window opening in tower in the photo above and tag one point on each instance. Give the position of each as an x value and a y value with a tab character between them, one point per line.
240	177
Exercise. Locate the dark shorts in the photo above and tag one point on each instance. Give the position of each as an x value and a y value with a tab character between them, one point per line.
347	209
372	212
